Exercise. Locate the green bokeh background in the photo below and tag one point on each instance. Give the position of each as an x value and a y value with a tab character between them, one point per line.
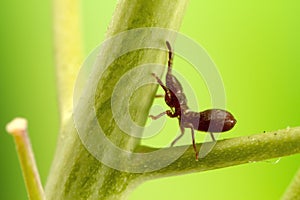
255	44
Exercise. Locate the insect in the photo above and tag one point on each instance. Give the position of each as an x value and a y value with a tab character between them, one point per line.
211	120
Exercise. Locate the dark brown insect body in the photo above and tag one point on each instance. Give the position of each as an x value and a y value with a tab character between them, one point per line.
212	120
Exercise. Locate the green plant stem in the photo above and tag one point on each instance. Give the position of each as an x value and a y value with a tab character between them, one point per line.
18	129
68	51
230	152
293	191
75	173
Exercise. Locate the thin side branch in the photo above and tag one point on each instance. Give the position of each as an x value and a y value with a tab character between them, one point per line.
293	191
18	129
230	152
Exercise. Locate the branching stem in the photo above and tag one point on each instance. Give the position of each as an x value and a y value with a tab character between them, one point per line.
75	173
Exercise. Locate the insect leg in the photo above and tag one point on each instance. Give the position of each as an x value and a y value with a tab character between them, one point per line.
157	116
212	136
159	96
181	134
167	112
193	139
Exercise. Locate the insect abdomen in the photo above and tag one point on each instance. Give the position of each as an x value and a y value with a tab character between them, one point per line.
212	120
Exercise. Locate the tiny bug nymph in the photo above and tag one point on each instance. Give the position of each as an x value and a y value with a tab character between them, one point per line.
211	120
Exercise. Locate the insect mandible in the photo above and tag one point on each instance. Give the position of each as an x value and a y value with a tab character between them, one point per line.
211	120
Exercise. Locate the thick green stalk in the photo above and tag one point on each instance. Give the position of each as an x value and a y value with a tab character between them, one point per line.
293	191
75	173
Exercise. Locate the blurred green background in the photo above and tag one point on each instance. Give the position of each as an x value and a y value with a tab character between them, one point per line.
255	44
